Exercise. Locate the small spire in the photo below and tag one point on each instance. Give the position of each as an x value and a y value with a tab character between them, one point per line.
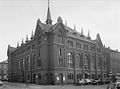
82	34
17	44
38	21
32	35
65	23
88	36
26	38
74	27
22	42
59	20
48	19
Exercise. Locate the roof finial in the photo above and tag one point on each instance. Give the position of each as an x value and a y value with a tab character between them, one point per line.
32	35
22	42
17	44
48	2
82	34
65	23
48	19
88	36
74	27
26	38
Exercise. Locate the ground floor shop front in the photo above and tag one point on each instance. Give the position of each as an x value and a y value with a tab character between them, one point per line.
69	76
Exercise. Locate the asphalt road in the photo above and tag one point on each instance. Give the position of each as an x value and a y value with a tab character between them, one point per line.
7	85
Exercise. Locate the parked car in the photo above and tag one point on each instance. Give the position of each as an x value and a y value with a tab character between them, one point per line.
87	81
97	82
81	82
107	81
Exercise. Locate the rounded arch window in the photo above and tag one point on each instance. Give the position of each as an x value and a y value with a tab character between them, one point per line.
70	59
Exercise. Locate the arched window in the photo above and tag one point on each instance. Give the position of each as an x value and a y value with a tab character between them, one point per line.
60	37
34	61
79	59
28	62
86	62
60	62
70	60
60	51
92	62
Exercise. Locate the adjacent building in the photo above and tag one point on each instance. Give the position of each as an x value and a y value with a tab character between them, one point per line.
57	54
4	70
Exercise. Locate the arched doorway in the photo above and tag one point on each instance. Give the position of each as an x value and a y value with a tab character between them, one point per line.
61	78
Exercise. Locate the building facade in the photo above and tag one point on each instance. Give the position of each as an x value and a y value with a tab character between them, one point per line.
57	54
4	70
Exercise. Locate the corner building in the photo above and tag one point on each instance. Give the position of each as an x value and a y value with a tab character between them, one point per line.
56	54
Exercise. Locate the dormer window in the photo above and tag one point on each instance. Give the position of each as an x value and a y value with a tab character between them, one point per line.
74	33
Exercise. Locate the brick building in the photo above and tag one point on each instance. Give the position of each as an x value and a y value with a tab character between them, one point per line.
57	54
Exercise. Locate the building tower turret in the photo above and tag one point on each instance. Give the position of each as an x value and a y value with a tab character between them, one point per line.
48	19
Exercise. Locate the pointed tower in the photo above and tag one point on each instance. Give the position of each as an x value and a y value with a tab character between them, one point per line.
74	27
65	23
88	36
32	35
17	44
26	38
48	19
22	42
82	34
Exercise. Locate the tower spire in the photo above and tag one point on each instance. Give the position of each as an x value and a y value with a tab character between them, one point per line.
48	19
88	36
82	34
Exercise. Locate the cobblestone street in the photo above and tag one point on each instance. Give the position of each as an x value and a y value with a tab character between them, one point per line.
33	86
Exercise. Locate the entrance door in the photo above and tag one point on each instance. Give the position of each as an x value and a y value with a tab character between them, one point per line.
61	78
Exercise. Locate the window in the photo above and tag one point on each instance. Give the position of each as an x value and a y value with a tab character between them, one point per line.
70	43
60	62
86	47
99	62
60	51
39	52
28	63
79	58
92	62
60	37
70	60
39	40
86	62
78	45
28	77
39	76
33	46
104	65
23	63
18	64
34	61
70	76
39	63
92	48
99	50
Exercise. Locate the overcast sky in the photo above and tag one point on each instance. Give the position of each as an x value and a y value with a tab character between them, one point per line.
18	18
